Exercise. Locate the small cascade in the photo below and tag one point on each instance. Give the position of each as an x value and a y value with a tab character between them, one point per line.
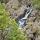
22	21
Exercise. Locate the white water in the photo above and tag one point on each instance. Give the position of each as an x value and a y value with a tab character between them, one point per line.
22	22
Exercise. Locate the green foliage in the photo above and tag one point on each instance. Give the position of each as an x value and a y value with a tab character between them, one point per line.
9	26
4	19
36	4
15	33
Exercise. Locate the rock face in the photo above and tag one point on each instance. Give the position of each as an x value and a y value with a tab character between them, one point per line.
33	26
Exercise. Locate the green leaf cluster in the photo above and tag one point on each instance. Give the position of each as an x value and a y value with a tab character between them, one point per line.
36	4
4	17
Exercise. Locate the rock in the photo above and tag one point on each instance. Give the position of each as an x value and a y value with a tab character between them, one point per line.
32	19
17	10
37	38
34	12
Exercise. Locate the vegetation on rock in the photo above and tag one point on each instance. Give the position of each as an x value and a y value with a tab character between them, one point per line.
15	9
8	27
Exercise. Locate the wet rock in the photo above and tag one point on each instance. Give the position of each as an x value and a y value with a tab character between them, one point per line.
32	19
34	12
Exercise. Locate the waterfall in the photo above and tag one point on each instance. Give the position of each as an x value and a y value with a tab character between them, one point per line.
22	21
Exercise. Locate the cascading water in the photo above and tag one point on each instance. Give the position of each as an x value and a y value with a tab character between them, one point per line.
22	21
